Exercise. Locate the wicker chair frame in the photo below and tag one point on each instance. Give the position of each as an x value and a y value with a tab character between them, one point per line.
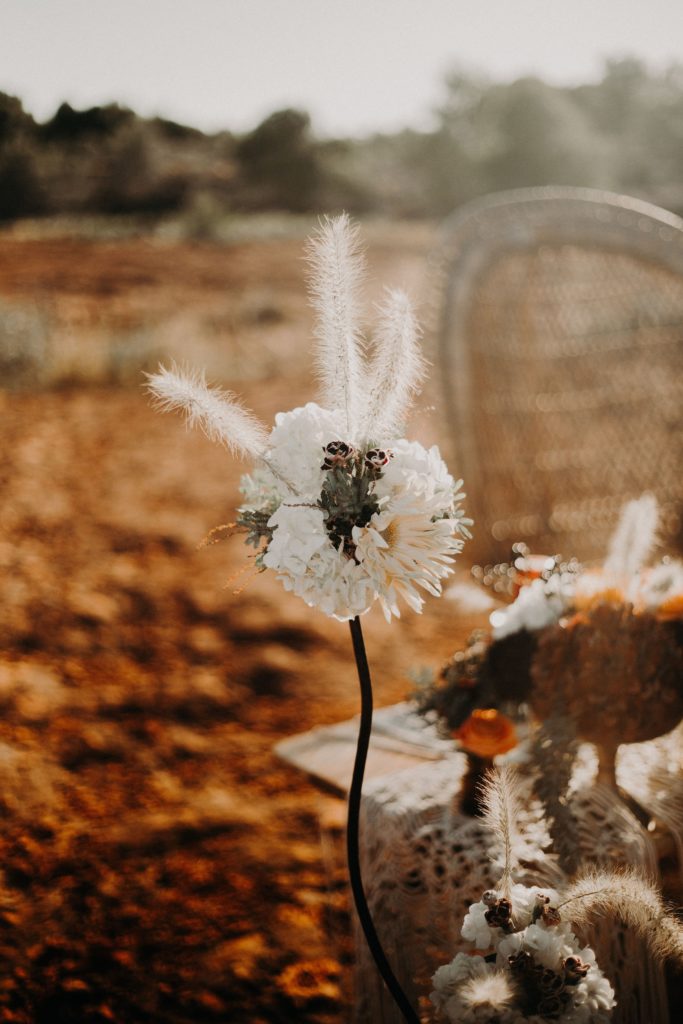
561	349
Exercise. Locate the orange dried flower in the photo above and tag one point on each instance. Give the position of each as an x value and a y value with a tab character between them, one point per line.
592	589
670	609
487	732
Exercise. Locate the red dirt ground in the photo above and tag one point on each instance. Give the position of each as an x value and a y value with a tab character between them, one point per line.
159	864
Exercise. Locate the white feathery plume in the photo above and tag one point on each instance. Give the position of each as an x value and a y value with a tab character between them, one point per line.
633	539
336	269
219	413
397	369
501	808
492	992
630	897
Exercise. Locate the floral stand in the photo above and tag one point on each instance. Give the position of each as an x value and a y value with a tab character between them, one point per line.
425	862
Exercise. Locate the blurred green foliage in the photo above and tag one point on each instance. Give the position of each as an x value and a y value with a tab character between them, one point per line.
623	132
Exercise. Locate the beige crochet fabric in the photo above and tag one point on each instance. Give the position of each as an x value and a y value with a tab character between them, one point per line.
424	862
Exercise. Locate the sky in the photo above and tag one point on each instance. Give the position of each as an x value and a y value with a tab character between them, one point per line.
356	65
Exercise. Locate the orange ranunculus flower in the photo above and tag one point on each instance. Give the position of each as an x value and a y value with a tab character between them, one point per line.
671	609
486	733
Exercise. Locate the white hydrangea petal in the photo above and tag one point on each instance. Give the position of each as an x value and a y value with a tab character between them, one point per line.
296	443
475	927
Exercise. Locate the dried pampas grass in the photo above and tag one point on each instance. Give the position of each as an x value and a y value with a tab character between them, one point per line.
631	898
218	413
396	371
633	539
501	806
337	263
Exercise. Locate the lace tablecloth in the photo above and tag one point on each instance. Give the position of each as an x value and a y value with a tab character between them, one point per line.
424	862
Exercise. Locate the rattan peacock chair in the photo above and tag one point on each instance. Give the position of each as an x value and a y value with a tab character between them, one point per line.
561	349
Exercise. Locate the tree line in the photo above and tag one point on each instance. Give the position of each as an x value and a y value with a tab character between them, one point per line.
623	132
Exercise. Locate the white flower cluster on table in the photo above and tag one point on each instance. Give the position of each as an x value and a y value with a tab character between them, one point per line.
539	604
526	965
624	575
343	508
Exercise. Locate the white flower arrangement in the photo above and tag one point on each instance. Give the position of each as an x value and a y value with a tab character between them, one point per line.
343	508
539	604
624	578
526	962
531	966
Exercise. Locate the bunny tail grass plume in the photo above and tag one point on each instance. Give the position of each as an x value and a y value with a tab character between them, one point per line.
633	899
336	268
633	539
492	992
397	370
501	805
218	413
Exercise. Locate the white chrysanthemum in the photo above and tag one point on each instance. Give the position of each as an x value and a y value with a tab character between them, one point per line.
403	548
296	445
538	604
419	470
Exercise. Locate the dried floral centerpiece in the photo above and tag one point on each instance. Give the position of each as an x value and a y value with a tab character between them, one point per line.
602	647
526	962
343	508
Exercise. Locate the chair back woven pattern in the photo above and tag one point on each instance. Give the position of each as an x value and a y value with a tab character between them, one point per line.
561	349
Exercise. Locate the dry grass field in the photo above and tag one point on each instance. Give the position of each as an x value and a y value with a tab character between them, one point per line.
158	863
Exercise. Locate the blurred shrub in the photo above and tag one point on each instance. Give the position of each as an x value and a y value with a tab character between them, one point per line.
131	177
69	125
20	191
14	120
20	188
623	132
280	164
540	137
24	345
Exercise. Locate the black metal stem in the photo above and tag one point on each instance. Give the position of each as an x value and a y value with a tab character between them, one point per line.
352	851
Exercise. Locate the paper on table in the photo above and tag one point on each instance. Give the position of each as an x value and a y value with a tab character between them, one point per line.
400	738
